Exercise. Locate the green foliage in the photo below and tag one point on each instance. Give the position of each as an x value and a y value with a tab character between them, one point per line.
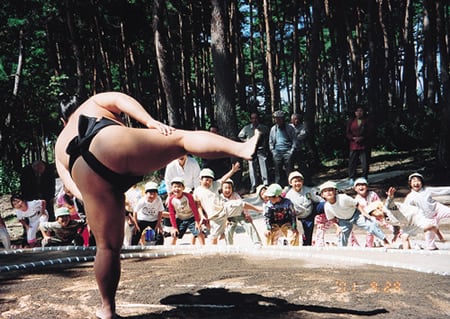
9	179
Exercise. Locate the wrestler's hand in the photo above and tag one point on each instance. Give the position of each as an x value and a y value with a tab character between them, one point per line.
162	128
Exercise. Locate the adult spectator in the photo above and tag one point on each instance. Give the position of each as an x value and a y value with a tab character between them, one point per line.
245	134
359	131
299	158
282	144
185	167
37	181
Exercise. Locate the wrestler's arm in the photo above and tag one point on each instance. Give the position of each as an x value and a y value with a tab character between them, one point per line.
67	179
117	103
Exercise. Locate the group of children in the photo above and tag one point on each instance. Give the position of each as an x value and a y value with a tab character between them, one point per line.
68	228
302	206
215	209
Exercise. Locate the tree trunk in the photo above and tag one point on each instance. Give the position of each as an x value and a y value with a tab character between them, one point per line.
164	60
269	55
223	71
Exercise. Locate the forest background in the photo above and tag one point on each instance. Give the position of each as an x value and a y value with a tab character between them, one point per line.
193	63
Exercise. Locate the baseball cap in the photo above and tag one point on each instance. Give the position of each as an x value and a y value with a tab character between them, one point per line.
177	180
372	206
229	181
151	186
273	190
326	185
415	175
62	211
360	180
295	174
207	172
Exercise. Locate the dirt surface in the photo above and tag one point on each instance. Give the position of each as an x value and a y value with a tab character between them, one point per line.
231	286
216	285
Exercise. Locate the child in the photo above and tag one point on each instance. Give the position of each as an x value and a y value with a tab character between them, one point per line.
279	215
132	196
210	203
244	219
63	231
364	196
30	214
305	201
347	212
422	197
409	218
148	213
76	209
183	212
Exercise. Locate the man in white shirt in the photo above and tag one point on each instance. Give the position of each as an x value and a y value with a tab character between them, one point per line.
185	167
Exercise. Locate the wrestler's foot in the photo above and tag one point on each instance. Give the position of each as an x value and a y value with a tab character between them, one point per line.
251	145
104	314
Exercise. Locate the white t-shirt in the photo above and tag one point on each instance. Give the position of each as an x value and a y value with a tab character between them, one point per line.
210	199
303	201
424	199
190	173
32	213
149	211
343	208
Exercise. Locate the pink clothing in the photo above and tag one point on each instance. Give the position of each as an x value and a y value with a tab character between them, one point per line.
370	197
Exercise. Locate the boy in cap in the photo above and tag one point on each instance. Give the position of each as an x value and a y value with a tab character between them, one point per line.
280	218
183	212
148	212
244	219
347	212
305	201
63	231
422	197
212	207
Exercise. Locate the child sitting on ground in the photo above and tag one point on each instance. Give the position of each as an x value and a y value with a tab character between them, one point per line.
62	232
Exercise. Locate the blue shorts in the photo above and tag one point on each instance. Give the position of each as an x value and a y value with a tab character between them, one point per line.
186	224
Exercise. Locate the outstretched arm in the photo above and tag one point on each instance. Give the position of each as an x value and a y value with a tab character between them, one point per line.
117	103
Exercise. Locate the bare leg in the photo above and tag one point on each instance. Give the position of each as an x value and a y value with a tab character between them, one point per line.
106	216
147	150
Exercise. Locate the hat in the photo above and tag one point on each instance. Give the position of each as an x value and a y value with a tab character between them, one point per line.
207	172
415	175
229	181
62	211
295	174
151	186
260	188
372	206
360	180
273	190
177	180
326	185
278	113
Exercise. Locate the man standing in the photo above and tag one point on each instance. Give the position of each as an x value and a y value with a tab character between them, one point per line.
282	144
300	156
245	134
37	181
185	167
358	132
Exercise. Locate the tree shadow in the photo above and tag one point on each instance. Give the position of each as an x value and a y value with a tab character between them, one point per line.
220	303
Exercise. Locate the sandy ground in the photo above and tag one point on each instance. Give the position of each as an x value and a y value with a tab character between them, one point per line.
234	282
